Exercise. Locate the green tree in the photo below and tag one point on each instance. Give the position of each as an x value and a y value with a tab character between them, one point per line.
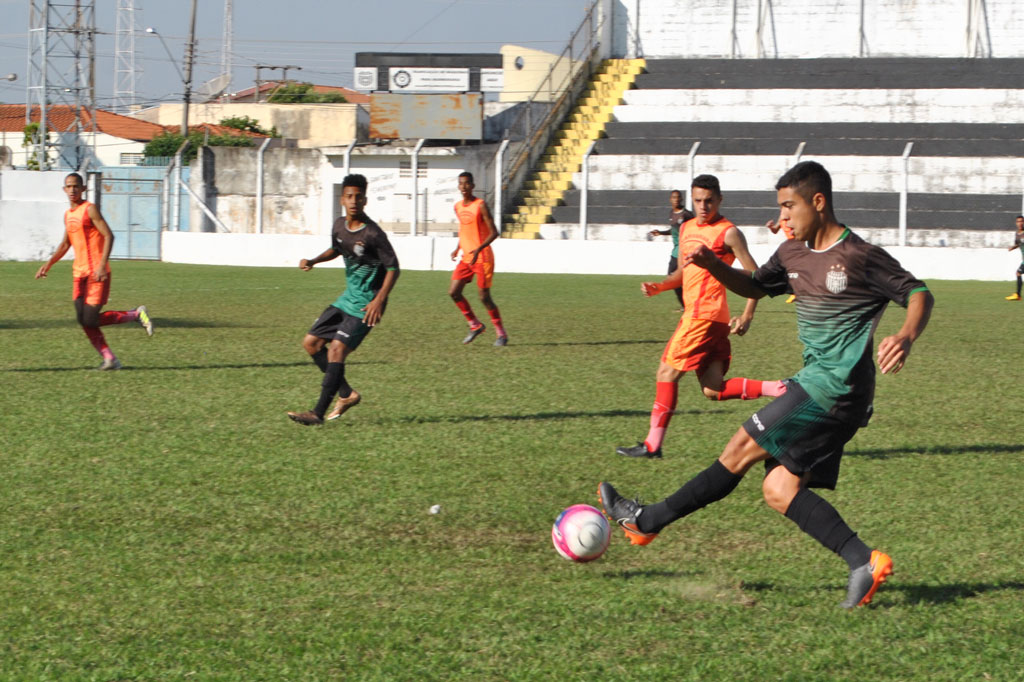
166	144
29	142
249	124
302	93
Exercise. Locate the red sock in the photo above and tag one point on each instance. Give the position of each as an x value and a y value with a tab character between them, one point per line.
98	342
496	320
118	317
467	312
665	395
748	389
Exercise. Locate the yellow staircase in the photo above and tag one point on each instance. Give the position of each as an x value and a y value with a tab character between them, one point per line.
547	184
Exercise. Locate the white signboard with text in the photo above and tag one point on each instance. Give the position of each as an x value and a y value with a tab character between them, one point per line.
365	77
422	79
492	80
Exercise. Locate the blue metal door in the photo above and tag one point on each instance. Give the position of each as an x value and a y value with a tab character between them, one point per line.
131	200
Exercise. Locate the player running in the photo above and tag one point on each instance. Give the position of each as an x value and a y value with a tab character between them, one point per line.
371	269
1018	243
88	234
677	215
476	232
701	341
843	285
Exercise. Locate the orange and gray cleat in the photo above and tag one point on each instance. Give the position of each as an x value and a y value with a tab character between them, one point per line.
624	512
865	580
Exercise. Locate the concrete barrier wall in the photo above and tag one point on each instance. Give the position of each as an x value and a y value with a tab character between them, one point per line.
540	256
812	28
32	206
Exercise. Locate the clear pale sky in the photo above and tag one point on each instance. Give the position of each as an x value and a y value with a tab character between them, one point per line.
321	36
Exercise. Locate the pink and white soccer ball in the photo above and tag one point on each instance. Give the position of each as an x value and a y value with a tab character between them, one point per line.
581	533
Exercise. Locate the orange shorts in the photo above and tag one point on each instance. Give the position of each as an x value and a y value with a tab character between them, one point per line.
484	273
698	343
94	293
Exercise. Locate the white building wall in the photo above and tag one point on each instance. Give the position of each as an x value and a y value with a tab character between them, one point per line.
32	206
543	256
810	28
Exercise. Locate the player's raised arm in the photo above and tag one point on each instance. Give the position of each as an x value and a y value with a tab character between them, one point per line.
308	263
61	249
100	271
893	350
735	240
735	280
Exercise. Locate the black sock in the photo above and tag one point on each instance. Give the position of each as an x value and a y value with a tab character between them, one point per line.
329	387
320	358
819	519
344	390
1018	285
708	486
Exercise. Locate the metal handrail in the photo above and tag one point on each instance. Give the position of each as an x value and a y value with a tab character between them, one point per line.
578	66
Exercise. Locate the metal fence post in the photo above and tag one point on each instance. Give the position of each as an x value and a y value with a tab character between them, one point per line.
903	194
415	187
689	185
499	199
585	189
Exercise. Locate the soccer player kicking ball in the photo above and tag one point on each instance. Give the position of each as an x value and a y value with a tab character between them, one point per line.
476	232
843	285
701	341
371	269
1018	243
88	234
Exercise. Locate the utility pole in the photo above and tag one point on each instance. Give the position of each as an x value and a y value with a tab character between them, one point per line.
189	56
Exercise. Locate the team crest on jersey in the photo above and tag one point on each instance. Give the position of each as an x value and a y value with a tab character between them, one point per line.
836	280
359	249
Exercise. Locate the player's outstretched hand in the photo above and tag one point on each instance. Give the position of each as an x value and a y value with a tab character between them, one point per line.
892	353
372	313
739	325
455	253
304	264
41	272
654	233
650	289
773	226
701	256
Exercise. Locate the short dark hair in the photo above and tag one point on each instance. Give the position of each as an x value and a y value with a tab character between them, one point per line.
808	178
467	174
355	180
708	182
76	176
1019	217
675	191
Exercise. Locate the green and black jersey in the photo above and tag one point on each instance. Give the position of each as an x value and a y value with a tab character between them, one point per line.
368	256
841	293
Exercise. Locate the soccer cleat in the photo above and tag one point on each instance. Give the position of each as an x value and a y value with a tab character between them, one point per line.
501	341
109	364
1013	297
144	320
342	405
623	512
473	333
638	450
792	297
306	418
865	580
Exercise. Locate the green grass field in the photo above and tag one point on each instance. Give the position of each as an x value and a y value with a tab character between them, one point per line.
168	522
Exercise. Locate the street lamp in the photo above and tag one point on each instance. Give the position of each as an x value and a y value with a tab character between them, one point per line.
10	77
186	79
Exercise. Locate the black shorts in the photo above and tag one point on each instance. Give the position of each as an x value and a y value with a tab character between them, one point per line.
801	436
1020	269
335	324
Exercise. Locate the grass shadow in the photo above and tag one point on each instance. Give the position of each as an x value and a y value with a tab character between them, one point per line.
623	342
536	416
248	365
891	453
953	592
644	575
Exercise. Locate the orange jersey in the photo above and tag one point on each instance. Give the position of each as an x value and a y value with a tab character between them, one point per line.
85	239
473	231
703	295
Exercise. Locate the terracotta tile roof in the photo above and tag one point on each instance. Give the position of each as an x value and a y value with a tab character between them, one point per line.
353	96
215	129
62	117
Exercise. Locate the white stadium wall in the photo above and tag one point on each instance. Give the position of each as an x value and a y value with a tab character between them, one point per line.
554	256
812	28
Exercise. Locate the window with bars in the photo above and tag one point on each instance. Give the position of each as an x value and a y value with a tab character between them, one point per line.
405	169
